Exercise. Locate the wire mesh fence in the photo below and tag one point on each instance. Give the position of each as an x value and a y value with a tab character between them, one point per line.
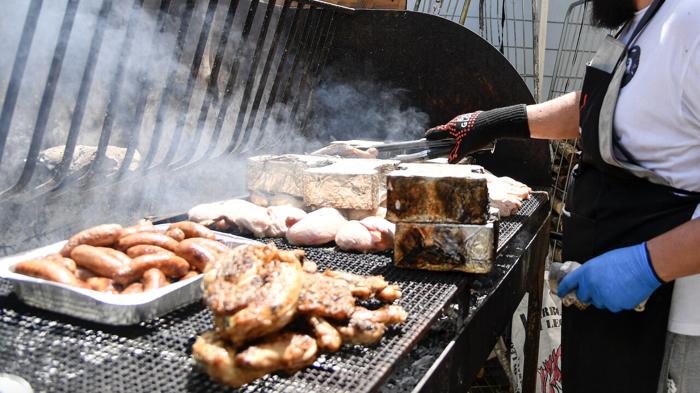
509	25
577	45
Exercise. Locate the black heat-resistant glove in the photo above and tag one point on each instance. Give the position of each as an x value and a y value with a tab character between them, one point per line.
475	130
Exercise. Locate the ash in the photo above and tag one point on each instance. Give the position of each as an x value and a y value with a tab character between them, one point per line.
415	364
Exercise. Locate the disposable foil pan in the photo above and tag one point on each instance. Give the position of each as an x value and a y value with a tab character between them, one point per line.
107	308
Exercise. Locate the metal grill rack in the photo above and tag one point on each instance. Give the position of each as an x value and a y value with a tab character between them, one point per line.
201	90
60	354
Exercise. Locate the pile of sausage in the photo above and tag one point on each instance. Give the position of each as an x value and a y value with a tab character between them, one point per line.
112	259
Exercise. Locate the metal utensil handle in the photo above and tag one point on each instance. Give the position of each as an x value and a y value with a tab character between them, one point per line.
557	272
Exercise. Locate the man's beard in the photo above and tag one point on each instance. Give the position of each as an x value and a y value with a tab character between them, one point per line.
612	13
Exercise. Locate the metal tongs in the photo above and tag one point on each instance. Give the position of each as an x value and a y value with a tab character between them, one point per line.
402	151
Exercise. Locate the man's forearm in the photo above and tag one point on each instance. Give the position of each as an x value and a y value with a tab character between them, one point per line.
555	119
676	253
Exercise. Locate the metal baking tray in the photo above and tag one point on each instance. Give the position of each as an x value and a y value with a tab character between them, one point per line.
106	308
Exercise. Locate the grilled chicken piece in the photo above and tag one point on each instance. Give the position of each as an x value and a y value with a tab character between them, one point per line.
287	351
206	213
218	360
327	337
365	287
370	234
281	218
245	216
353	236
253	291
325	296
309	266
318	227
506	194
382	232
366	327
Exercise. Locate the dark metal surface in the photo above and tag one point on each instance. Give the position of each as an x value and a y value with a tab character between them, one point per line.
60	354
407	51
493	299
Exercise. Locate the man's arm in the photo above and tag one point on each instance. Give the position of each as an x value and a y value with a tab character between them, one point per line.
621	278
676	253
555	119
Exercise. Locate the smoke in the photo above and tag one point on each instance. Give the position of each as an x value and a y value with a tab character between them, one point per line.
366	110
133	77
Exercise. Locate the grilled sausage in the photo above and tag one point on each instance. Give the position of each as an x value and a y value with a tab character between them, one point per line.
213	245
145	226
152	238
192	229
123	258
66	262
101	284
154	279
176	233
99	260
143	249
136	287
195	253
190	274
83	274
101	235
48	270
172	265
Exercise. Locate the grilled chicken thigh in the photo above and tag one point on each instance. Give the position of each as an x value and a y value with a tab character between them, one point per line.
325	296
327	336
316	228
365	287
366	327
286	351
253	291
217	357
353	236
370	234
245	216
382	232
282	217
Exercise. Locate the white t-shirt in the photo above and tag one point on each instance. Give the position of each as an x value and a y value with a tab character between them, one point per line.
658	121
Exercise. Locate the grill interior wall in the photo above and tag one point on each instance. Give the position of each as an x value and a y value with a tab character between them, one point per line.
168	95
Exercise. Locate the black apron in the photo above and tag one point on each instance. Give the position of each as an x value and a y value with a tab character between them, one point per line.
610	207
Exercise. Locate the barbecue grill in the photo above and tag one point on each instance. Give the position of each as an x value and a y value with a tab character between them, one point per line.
155	103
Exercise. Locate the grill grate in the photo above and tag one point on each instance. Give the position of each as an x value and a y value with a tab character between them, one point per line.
60	354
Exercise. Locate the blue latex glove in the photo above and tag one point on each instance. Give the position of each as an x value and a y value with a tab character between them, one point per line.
617	280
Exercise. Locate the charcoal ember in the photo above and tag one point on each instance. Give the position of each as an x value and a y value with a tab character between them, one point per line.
466	248
437	193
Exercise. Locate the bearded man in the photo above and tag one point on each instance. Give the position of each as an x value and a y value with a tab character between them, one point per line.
633	211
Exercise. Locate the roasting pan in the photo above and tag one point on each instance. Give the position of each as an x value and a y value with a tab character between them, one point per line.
107	308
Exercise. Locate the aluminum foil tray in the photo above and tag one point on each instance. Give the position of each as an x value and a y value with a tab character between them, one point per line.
107	308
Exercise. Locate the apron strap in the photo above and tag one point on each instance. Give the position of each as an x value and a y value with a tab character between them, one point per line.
653	8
